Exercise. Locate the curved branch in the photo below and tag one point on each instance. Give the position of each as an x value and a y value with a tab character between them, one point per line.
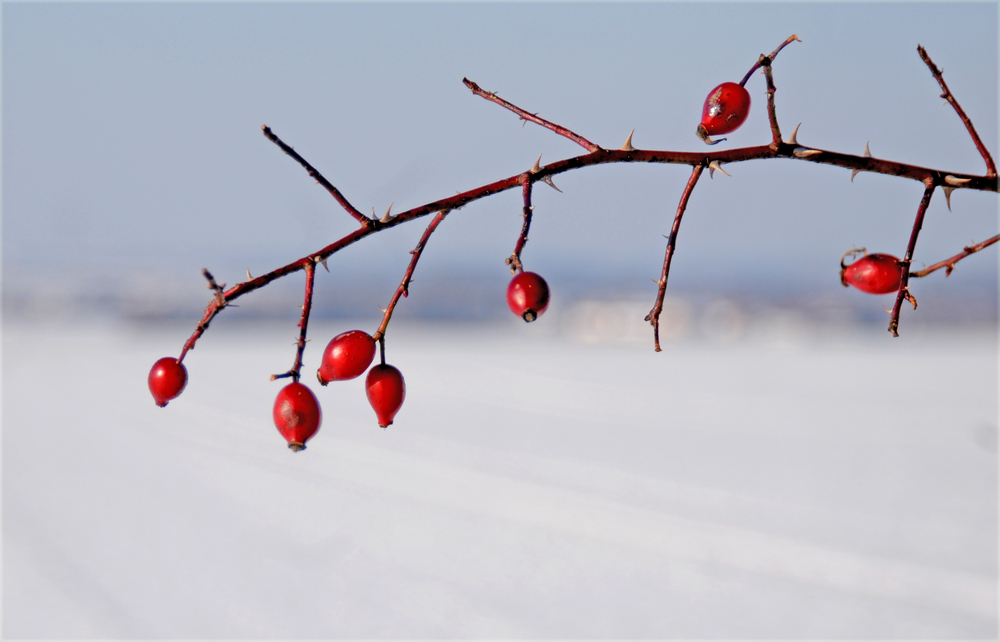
904	292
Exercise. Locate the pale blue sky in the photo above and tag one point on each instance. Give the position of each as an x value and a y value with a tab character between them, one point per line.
132	144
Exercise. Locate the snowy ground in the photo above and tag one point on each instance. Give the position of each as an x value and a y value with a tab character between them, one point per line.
532	487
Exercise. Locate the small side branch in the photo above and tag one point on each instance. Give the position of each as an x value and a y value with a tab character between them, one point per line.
353	211
310	269
654	315
991	168
407	277
515	259
949	264
772	115
562	131
904	292
774	54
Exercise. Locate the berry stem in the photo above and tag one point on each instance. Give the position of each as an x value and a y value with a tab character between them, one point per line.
408	276
515	259
303	324
904	293
761	60
949	264
562	131
654	315
991	168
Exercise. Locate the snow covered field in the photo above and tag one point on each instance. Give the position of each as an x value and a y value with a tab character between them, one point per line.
531	487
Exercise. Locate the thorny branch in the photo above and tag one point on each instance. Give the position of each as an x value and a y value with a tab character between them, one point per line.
949	264
514	261
597	155
991	168
654	315
904	291
402	290
303	324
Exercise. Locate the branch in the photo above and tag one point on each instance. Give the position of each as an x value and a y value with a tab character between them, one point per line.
991	168
774	54
949	264
353	211
772	115
407	277
515	259
562	131
654	315
310	269
904	292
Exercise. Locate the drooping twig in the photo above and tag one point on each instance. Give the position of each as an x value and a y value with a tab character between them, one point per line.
654	315
310	269
562	131
407	277
991	168
949	264
514	261
904	292
774	54
353	211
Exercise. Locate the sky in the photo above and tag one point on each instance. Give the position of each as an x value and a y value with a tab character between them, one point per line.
132	152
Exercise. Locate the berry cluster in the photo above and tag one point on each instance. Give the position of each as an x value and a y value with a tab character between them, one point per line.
297	413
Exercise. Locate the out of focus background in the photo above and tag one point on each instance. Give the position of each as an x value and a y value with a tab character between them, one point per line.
783	469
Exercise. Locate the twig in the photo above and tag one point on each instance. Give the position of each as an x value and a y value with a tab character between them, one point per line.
562	131
515	259
310	269
408	276
949	264
774	54
904	292
654	315
353	211
991	168
772	115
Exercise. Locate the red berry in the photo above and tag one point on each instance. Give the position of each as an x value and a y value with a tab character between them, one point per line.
874	274
528	295
725	110
386	391
167	380
346	357
297	415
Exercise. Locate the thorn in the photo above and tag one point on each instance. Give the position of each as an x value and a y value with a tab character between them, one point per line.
716	166
951	180
536	168
385	218
249	278
868	153
854	173
793	140
382	309
548	180
947	195
802	152
325	266
627	147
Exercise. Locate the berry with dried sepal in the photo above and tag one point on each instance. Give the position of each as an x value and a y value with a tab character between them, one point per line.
528	296
297	415
873	273
726	107
167	380
386	390
347	356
